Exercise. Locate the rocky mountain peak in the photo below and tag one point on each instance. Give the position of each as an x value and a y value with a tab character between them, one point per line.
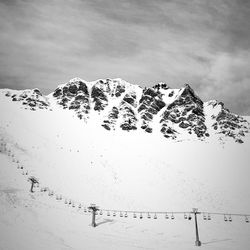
117	104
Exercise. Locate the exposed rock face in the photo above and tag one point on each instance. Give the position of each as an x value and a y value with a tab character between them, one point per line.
150	104
228	124
187	113
31	99
75	96
116	104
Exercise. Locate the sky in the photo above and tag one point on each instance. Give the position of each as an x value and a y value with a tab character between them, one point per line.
205	43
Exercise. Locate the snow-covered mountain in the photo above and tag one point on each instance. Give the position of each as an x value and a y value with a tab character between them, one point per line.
116	104
122	147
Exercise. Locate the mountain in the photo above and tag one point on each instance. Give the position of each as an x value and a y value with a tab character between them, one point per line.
124	148
116	104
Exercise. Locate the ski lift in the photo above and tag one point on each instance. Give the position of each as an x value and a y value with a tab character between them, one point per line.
108	213
114	214
230	218
101	212
73	204
204	216
172	216
121	215
134	215
185	216
69	202
189	217
85	210
155	216
141	216
208	217
80	206
225	218
126	215
166	216
246	219
149	216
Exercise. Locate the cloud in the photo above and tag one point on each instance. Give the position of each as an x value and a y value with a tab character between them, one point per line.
203	43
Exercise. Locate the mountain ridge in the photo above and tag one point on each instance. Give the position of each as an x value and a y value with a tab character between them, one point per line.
174	113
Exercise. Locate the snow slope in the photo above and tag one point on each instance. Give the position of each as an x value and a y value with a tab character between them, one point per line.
117	170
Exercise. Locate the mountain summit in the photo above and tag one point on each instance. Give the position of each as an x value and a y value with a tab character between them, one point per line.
116	104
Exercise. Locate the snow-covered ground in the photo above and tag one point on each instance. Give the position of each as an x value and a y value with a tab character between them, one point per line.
119	171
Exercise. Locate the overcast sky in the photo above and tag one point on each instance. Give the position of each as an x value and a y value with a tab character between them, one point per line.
205	43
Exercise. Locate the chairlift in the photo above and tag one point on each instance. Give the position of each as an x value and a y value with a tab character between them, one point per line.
126	215
121	215
172	216
108	213
141	216
246	219
65	202
69	202
204	217
225	218
114	214
155	216
209	217
185	216
166	216
230	218
85	210
189	217
80	206
134	216
73	204
149	216
101	213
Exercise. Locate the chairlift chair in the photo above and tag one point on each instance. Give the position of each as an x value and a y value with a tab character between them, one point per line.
185	216
108	213
209	217
126	215
114	214
172	216
101	213
225	218
121	215
230	218
149	216
155	216
134	215
166	216
246	219
204	217
141	216
189	217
